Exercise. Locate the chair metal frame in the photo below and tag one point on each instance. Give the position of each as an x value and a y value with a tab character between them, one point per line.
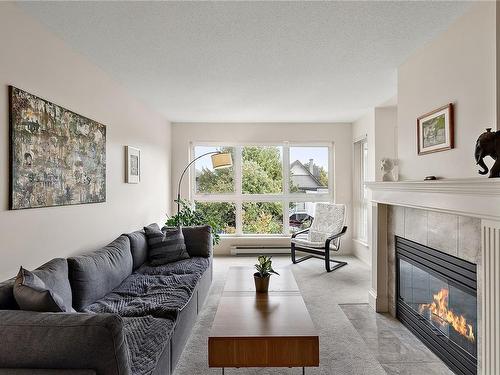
322	253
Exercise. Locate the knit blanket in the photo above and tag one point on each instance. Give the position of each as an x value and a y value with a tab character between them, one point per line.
149	302
141	295
146	338
195	265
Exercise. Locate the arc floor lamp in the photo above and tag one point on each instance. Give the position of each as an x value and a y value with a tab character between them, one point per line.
219	160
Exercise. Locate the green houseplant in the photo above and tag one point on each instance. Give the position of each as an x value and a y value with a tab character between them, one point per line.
264	269
187	217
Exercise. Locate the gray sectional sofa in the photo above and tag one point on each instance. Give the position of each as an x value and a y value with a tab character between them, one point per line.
132	318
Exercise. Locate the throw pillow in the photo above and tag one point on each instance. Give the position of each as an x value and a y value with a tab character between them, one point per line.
166	245
32	294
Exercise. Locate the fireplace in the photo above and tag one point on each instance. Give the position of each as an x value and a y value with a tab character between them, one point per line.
437	300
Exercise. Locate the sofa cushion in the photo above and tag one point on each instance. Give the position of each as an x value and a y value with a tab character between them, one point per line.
32	294
53	273
7	300
166	245
55	276
94	275
138	248
41	371
198	240
32	340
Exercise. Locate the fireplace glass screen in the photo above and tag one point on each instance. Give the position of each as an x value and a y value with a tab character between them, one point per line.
449	310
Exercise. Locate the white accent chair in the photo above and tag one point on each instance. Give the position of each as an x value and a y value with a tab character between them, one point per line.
323	236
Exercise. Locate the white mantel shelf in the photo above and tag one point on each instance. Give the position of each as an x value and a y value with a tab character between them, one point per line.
478	197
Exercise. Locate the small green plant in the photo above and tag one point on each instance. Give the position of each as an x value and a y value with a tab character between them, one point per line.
188	216
265	266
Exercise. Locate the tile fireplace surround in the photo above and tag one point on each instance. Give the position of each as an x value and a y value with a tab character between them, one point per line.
460	217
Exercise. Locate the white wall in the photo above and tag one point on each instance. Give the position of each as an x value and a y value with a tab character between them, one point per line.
340	134
457	67
386	121
38	62
379	127
365	127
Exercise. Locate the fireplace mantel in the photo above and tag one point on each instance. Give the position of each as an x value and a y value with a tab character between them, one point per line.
477	197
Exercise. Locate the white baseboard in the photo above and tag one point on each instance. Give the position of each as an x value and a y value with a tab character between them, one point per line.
378	303
372	299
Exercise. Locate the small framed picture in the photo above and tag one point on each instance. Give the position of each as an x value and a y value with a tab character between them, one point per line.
435	130
132	165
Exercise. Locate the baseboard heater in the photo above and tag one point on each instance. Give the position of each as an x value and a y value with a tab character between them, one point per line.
239	250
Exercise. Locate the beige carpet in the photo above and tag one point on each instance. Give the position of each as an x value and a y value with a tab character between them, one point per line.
342	349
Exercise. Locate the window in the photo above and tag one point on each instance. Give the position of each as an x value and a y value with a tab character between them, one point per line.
224	212
208	180
262	217
270	190
361	192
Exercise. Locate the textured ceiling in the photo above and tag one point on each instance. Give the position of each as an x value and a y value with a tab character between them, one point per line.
250	61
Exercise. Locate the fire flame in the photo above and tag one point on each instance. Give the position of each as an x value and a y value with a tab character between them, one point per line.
440	309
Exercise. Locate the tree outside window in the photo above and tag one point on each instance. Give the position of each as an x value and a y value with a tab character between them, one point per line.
262	170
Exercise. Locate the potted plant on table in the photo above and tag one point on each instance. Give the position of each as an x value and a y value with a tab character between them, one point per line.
264	269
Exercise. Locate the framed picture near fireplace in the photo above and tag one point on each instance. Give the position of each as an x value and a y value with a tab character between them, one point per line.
57	157
435	130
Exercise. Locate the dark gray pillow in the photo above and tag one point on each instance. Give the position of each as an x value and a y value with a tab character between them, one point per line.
198	240
32	294
166	245
138	248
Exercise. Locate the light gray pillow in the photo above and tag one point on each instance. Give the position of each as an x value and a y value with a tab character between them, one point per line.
32	294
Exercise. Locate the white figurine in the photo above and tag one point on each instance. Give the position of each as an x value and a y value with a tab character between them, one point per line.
390	169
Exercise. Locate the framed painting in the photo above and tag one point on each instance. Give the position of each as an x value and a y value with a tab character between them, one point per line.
57	157
132	165
435	130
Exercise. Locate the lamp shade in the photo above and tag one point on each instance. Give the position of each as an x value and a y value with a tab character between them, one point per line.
222	160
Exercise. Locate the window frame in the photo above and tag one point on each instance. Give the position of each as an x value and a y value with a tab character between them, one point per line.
238	197
360	201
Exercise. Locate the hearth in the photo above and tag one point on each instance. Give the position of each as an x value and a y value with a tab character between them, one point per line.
437	301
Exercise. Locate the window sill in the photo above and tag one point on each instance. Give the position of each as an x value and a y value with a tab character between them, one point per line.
255	236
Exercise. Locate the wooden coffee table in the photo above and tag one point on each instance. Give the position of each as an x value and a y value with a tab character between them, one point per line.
262	329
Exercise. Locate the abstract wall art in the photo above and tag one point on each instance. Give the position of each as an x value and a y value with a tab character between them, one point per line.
57	157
